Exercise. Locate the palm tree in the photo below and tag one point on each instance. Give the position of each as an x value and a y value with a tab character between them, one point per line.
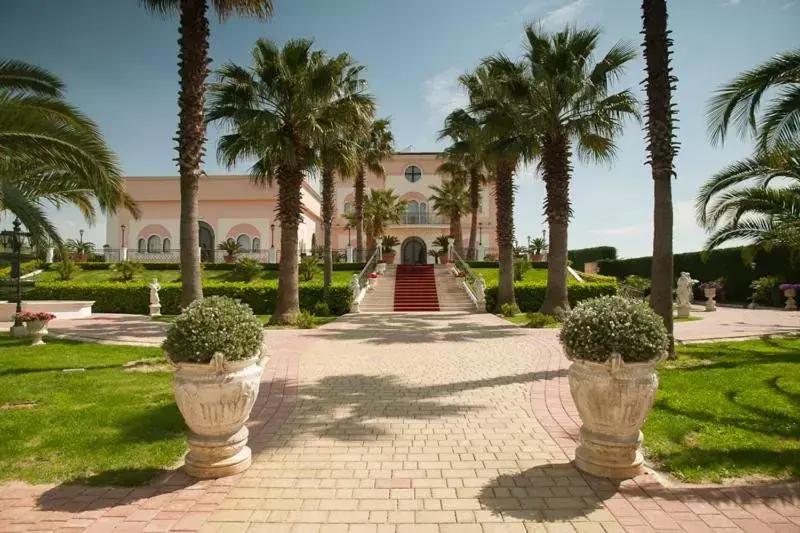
381	208
564	97
738	102
51	153
193	61
467	151
452	200
376	145
661	148
273	112
338	152
756	199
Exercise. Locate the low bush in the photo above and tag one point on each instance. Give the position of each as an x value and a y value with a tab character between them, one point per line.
322	309
540	320
26	267
308	268
521	267
65	268
530	295
304	320
509	309
127	270
134	297
246	269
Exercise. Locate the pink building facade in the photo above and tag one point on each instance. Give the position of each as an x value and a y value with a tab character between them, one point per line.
232	207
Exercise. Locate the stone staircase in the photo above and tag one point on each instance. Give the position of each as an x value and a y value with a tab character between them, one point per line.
452	296
381	298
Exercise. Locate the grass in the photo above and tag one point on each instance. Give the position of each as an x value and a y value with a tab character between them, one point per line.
318	320
492	275
520	319
728	410
687	319
102	426
166	276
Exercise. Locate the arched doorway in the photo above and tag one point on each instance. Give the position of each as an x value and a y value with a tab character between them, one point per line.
206	237
414	251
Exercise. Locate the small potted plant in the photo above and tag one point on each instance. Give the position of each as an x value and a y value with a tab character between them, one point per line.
36	323
710	291
436	254
215	346
372	278
389	243
231	248
537	249
790	292
442	242
614	344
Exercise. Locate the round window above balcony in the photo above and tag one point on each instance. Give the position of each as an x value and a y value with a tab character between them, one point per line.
413	174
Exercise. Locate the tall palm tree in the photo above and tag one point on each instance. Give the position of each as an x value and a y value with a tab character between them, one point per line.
756	199
381	208
273	112
564	96
51	153
338	151
661	148
376	145
451	200
468	151
737	103
193	61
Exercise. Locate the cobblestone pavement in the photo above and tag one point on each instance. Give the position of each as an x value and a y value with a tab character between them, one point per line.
409	423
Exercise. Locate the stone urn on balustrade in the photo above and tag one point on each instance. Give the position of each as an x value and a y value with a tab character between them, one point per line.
216	346
790	293
710	291
615	345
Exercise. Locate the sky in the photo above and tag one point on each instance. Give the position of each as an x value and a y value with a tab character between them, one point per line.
119	64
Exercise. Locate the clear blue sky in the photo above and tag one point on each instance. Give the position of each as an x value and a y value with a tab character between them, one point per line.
119	63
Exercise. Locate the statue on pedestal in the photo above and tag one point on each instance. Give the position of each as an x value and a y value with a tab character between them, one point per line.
684	291
155	301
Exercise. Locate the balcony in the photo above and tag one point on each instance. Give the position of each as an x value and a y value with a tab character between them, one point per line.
421	219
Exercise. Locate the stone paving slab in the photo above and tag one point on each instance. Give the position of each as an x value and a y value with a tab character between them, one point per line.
409	423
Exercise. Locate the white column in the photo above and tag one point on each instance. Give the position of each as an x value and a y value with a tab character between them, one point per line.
272	255
450	241
123	254
481	252
349	254
379	243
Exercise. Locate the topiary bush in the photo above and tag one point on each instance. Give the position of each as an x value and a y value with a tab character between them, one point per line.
521	267
65	268
322	309
246	270
600	327
509	309
540	320
308	268
304	320
214	325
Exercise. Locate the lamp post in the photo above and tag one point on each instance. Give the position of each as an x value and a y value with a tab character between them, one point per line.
123	227
15	239
81	234
349	241
272	235
480	233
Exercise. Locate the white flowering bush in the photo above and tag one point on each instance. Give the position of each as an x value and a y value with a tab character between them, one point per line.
216	324
599	327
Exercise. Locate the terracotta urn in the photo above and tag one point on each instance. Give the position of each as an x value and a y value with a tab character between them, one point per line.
613	399
215	400
388	257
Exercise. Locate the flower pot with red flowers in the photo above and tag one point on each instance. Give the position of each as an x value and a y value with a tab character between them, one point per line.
36	323
790	292
372	280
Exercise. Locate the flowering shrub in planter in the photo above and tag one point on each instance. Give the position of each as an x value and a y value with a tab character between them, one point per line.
614	344
216	346
36	324
28	316
372	275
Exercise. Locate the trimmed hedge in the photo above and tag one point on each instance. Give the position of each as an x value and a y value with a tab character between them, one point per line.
207	266
724	263
134	297
582	256
530	296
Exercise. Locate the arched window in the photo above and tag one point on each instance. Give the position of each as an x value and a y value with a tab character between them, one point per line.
244	242
413	174
141	246
423	213
166	245
154	244
412	212
256	244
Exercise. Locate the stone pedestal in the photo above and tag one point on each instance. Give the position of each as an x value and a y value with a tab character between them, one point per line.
18	332
349	255
215	457
481	252
272	256
123	254
155	310
791	302
606	456
684	311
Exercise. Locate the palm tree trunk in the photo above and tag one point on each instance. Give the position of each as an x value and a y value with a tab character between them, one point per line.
504	201
287	303
359	197
661	151
474	205
327	221
556	171
192	70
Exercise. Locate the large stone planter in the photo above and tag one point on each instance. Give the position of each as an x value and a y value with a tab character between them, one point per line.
37	330
711	304
791	303
613	400
215	400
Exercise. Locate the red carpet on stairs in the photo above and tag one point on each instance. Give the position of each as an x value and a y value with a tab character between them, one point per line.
415	288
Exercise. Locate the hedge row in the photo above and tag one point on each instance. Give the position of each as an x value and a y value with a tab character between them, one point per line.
207	266
134	297
726	263
582	256
530	296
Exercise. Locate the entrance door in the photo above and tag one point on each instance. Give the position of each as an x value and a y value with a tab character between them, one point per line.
206	238
414	251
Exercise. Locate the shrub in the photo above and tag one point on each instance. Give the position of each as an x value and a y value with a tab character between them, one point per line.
127	269
521	267
600	327
322	309
26	267
540	320
65	268
214	325
509	309
530	295
246	270
582	256
308	268
304	320
390	241
765	290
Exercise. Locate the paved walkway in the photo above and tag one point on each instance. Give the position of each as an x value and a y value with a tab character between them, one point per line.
409	423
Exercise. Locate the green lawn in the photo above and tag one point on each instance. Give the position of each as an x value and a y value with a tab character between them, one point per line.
318	320
491	275
165	276
687	319
727	410
520	319
102	426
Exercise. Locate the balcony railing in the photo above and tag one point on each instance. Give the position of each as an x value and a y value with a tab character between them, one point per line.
416	219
